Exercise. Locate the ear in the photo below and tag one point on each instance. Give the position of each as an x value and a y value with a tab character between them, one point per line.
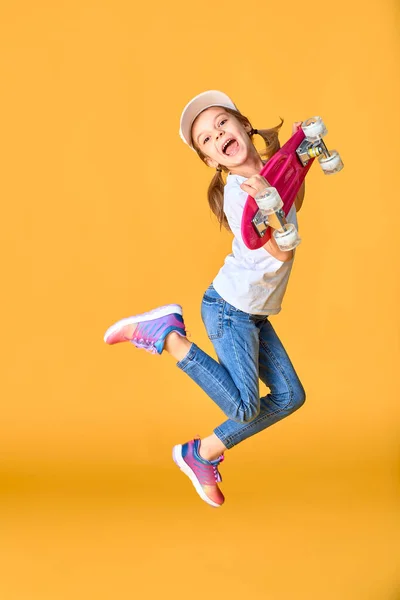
211	163
248	127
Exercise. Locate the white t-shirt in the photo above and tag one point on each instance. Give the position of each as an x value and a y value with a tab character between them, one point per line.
251	280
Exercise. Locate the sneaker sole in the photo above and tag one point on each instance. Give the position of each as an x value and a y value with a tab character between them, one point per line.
156	313
178	460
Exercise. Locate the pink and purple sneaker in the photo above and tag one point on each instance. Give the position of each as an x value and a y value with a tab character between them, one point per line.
203	474
148	330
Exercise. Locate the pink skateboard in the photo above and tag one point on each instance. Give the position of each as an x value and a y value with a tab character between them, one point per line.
285	172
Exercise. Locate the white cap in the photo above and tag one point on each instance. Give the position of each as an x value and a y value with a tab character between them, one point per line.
196	106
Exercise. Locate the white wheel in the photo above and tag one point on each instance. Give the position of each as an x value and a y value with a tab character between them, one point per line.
332	164
269	200
314	129
288	238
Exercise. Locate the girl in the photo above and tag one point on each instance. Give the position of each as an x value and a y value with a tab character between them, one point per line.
235	307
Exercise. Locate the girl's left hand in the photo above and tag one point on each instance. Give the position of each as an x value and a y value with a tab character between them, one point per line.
296	126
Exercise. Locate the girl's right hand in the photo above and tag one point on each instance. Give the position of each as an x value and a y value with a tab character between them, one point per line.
254	185
296	126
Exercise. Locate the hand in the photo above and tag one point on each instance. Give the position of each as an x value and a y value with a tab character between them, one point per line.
254	185
296	126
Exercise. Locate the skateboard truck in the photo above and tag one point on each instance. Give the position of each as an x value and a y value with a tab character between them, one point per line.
308	150
261	224
285	233
313	146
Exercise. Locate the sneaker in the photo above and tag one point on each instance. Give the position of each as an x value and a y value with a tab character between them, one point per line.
203	474
148	330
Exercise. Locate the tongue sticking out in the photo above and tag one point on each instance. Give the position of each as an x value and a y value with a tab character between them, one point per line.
232	148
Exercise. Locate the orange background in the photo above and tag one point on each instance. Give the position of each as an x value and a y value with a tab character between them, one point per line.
104	214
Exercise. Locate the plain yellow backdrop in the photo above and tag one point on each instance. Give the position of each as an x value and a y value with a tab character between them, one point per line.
104	214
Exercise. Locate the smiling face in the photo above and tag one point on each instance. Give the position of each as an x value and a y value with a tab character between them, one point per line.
224	140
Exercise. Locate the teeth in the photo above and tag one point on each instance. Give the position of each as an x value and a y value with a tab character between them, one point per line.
226	143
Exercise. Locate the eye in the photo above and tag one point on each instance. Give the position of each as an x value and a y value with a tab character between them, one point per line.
220	123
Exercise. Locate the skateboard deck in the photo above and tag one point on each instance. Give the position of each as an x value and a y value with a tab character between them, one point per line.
285	172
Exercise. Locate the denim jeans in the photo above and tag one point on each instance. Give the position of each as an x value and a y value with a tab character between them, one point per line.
248	350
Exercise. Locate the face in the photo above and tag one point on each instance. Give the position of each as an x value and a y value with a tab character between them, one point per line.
223	139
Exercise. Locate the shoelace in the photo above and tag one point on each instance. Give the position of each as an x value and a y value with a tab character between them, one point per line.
217	474
145	344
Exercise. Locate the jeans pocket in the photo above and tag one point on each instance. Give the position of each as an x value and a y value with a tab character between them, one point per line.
212	312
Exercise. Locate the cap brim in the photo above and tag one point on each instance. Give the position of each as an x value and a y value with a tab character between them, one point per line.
196	106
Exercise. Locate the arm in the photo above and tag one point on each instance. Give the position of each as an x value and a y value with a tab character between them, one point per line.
272	247
252	186
234	201
300	197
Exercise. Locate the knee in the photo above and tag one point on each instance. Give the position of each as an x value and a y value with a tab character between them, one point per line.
247	415
298	397
251	415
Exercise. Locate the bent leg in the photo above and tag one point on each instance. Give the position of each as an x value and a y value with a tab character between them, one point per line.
233	381
286	391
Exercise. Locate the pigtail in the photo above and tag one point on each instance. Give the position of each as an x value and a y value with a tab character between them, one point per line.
216	198
271	139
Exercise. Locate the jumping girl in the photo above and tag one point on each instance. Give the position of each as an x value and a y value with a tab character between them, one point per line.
236	306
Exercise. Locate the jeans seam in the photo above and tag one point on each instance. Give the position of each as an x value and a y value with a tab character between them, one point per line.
225	441
220	331
279	366
259	420
218	384
240	366
188	358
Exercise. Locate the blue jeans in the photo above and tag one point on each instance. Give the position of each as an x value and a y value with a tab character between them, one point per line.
248	349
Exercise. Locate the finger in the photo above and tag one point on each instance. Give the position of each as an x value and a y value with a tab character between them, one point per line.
249	189
247	186
255	181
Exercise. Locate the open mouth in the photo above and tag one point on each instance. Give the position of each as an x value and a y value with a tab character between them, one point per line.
230	147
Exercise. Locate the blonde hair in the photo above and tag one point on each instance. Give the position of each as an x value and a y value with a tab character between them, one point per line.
215	191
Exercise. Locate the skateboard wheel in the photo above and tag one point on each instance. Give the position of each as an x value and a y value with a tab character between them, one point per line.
331	164
269	200
314	129
288	238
